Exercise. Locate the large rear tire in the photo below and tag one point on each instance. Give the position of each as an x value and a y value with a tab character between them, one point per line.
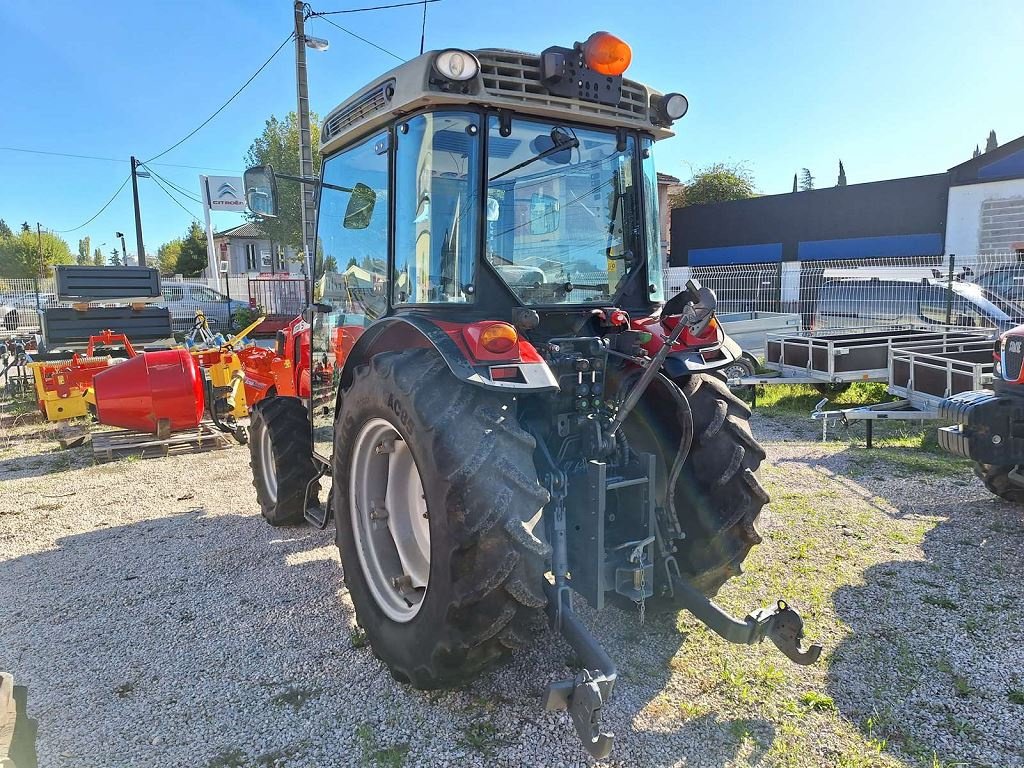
996	479
281	457
405	419
718	496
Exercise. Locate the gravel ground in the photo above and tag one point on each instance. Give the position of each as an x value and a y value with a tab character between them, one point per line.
158	621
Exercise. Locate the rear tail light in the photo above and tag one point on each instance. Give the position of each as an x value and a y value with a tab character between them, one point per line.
498	338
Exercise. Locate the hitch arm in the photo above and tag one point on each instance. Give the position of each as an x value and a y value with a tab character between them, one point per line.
779	623
584	695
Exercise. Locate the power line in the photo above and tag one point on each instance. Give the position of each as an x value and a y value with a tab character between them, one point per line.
111	159
172	185
173	198
222	106
374	8
101	210
357	37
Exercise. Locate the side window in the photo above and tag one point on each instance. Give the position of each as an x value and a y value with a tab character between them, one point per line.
352	236
172	293
436	221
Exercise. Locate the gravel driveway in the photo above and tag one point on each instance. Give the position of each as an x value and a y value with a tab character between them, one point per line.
157	621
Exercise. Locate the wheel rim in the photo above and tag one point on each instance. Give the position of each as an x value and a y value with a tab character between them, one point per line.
736	372
389	520
266	450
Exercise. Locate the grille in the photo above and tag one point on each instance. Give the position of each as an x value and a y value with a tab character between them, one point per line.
1013	357
363	107
516	76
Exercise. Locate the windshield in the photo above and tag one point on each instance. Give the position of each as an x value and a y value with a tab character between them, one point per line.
561	211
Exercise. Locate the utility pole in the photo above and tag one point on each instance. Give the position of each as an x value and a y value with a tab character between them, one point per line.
42	267
305	142
138	216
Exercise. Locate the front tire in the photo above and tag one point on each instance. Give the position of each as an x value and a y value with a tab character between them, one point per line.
281	457
996	479
718	496
481	499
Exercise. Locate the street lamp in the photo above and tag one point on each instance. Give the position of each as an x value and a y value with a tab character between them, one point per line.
124	249
317	43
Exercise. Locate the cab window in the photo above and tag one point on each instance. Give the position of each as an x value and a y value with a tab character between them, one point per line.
437	184
352	235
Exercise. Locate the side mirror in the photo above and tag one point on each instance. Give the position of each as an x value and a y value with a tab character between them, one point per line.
360	207
261	190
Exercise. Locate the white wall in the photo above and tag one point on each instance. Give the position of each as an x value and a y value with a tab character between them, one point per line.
985	218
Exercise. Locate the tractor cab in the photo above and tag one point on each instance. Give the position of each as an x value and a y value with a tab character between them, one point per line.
513	413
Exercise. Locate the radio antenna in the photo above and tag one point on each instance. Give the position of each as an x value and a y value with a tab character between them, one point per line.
423	29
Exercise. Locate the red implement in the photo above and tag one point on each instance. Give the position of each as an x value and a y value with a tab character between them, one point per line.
153	392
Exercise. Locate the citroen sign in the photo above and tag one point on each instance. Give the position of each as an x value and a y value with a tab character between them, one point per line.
224	193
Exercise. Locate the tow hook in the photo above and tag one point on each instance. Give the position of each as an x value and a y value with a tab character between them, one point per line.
779	623
585	695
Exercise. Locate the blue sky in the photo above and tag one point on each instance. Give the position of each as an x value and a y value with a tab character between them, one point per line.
894	89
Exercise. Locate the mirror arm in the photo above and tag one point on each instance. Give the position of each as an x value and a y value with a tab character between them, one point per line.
312	180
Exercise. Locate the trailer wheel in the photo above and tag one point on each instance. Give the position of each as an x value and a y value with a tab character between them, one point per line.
281	457
436	496
996	479
718	496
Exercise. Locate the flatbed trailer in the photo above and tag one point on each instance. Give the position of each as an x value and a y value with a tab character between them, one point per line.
857	354
921	377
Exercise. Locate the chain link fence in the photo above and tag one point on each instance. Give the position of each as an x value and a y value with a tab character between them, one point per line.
975	291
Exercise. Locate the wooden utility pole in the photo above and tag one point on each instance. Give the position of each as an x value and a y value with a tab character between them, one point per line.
138	216
308	206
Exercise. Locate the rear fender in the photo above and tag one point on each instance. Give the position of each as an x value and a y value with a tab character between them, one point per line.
414	331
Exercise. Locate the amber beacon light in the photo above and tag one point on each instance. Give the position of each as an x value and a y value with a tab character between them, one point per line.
606	54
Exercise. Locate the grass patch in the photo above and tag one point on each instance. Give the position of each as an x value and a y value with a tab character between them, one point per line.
294	696
817	701
481	736
392	756
800	399
941	602
1016	696
228	758
357	637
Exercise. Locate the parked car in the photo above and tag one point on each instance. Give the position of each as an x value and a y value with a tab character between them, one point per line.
20	311
1006	282
183	299
858	303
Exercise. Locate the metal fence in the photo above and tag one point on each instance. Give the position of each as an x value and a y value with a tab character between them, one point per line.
974	291
22	299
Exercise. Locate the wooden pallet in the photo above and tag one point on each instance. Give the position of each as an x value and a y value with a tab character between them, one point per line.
107	446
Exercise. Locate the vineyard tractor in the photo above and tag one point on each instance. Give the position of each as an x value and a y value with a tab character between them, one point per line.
510	412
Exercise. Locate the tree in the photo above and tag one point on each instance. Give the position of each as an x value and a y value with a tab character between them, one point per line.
20	254
330	264
842	175
192	258
97	258
991	143
167	256
717	183
806	180
794	183
278	145
977	152
5	231
83	251
26	227
115	258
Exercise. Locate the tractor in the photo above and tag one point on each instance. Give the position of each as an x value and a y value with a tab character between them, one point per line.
987	425
514	413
